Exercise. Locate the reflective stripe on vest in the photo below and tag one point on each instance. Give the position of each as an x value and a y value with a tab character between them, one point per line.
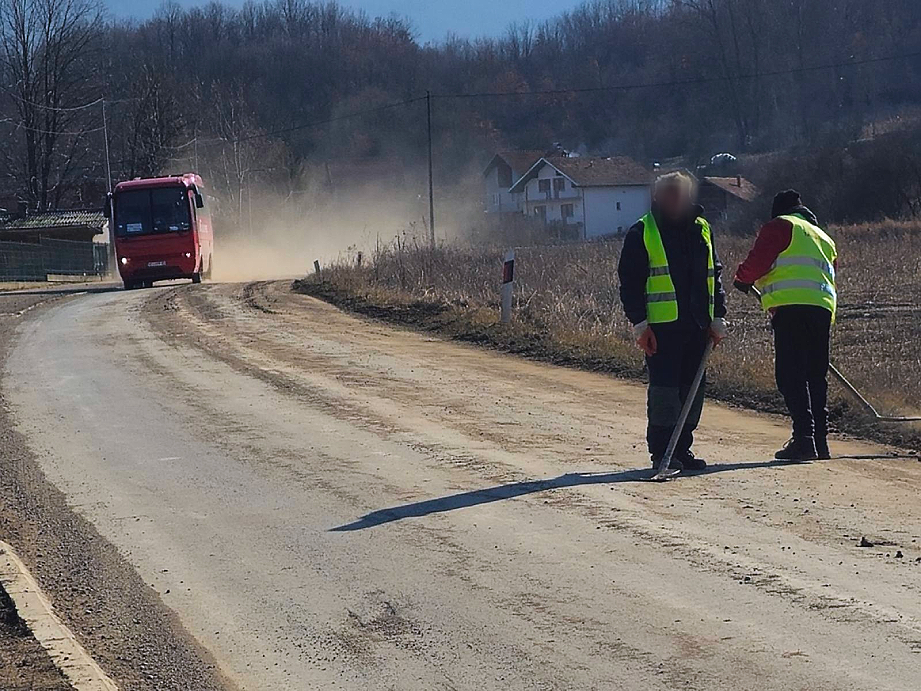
804	273
661	297
792	283
805	261
661	300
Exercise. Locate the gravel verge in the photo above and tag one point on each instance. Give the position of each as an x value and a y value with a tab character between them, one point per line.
118	618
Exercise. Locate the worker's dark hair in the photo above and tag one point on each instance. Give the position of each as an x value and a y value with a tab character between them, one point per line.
785	202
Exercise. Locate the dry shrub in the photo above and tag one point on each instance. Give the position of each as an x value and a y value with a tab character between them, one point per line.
567	310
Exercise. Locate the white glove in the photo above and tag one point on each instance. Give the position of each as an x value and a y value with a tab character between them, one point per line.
640	329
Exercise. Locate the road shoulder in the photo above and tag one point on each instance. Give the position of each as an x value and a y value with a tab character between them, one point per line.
33	609
24	664
119	619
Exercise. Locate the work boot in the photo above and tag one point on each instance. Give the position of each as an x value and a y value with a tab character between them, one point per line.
798	449
822	451
690	461
675	464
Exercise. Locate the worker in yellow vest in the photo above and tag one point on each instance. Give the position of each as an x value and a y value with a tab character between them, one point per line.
672	293
793	264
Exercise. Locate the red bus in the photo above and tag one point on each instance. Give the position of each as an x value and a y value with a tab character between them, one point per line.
162	230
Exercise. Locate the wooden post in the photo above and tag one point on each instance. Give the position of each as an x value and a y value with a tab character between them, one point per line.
316	265
508	278
428	110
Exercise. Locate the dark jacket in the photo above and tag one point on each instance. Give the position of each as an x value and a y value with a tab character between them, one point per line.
687	263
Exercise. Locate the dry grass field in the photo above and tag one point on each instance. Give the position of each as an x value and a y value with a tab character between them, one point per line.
567	311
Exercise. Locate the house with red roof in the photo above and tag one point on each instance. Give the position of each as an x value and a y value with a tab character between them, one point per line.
504	169
586	197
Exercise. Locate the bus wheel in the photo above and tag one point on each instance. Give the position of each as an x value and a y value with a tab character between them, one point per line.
196	278
130	285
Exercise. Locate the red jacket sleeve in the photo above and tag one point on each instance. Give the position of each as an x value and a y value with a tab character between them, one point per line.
773	238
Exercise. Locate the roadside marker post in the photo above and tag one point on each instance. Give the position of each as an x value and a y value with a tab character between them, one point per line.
316	266
508	278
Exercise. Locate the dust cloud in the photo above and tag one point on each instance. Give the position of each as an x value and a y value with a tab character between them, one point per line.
267	233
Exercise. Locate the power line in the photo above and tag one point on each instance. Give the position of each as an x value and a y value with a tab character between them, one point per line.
194	140
296	128
19	126
70	109
56	109
318	123
682	82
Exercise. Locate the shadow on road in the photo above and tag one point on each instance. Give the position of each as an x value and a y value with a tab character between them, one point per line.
488	495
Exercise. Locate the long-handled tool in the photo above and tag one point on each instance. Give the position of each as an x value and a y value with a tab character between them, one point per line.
851	389
663	472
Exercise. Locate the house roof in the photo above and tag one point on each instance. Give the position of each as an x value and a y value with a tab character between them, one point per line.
736	186
584	171
518	161
76	218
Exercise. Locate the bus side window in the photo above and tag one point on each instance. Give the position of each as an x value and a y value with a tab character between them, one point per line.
204	211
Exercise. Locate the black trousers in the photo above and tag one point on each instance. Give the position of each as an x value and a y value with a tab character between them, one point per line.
801	341
671	372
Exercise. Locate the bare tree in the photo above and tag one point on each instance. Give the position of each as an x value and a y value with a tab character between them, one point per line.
46	49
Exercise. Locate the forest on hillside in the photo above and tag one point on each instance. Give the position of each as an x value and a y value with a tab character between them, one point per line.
820	93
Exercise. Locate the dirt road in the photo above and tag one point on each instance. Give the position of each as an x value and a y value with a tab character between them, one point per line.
328	502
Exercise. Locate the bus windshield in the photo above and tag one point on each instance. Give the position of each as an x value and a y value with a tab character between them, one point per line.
146	212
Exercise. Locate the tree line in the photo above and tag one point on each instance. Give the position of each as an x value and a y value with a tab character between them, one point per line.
228	91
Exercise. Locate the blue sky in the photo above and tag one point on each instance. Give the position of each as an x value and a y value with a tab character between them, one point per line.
433	19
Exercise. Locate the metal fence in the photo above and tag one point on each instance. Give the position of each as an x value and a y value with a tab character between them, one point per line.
23	261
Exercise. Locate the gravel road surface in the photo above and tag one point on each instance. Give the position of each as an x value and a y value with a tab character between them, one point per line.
118	617
328	502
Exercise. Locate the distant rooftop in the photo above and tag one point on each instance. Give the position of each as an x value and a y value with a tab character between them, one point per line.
519	161
76	218
603	172
736	186
586	171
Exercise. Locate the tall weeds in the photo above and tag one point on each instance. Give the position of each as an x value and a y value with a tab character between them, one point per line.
567	309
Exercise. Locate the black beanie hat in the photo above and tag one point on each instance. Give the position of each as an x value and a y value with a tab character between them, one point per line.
785	202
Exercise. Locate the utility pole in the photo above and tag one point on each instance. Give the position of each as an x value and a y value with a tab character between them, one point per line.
111	204
105	136
428	108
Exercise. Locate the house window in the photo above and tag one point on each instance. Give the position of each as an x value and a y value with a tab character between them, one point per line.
541	212
618	206
543	185
505	176
567	211
559	184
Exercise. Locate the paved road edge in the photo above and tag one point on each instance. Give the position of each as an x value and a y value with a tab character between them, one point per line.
36	611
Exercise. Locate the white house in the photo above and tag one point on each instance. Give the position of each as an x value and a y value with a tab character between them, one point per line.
503	171
596	196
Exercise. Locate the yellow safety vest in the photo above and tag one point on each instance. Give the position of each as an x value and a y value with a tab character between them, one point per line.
804	273
661	300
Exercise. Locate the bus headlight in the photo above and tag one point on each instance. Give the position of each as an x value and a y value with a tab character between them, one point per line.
124	260
188	255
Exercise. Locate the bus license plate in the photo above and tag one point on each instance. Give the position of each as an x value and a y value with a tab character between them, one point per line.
156	263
